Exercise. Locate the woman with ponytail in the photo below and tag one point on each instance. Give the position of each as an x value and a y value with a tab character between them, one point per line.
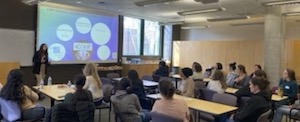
93	83
168	105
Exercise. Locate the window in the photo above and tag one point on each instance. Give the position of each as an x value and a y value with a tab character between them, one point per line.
167	42
151	38
131	36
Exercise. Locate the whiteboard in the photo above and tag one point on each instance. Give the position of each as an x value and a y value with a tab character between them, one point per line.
17	45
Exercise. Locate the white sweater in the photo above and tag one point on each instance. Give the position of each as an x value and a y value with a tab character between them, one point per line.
215	85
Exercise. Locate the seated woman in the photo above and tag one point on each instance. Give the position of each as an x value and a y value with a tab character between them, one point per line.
168	105
243	79
289	86
138	88
232	75
217	82
93	83
197	71
163	70
188	85
259	103
127	105
15	91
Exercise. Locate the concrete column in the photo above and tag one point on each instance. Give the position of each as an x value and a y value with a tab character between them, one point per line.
274	43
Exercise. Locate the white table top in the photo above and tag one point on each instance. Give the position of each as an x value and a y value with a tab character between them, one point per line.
56	92
146	83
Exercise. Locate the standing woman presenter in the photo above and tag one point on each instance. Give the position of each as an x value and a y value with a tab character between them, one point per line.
40	62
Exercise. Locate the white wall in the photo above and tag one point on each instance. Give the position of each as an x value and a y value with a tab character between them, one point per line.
227	33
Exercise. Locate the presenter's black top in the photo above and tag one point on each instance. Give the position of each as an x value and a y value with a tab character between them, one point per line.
37	62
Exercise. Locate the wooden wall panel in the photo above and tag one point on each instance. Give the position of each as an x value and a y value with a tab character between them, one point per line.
5	69
207	53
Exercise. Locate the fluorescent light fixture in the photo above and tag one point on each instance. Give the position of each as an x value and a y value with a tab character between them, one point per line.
32	2
292	14
228	18
194	27
201	11
247	24
281	2
148	3
171	23
207	1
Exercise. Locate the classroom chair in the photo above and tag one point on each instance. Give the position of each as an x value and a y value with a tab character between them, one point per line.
158	117
106	104
111	76
106	81
199	85
294	117
226	99
207	94
265	117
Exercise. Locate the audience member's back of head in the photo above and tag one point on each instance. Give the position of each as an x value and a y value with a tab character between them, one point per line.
197	67
219	75
219	66
262	83
232	66
162	64
187	72
125	84
80	94
79	81
12	90
134	77
166	89
260	73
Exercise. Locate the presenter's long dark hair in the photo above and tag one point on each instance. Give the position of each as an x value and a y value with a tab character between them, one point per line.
13	89
43	52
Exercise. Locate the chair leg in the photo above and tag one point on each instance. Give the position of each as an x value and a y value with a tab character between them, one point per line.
99	115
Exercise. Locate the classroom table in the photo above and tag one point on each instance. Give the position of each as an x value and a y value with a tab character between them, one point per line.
146	83
274	98
177	77
55	92
201	105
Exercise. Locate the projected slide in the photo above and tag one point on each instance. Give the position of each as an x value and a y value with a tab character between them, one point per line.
78	37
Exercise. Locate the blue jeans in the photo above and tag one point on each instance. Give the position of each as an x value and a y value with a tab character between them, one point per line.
145	114
283	110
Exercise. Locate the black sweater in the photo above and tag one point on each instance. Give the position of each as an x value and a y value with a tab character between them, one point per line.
257	105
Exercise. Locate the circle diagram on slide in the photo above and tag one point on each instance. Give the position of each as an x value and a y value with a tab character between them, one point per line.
56	52
100	33
103	52
83	25
64	32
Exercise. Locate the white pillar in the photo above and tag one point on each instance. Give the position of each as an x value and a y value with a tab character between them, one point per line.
274	43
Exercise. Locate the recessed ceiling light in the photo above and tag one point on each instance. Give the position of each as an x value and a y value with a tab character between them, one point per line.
78	2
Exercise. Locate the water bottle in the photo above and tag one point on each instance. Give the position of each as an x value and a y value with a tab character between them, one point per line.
41	84
49	81
69	83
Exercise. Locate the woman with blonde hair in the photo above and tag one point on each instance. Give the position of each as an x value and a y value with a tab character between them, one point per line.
93	82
